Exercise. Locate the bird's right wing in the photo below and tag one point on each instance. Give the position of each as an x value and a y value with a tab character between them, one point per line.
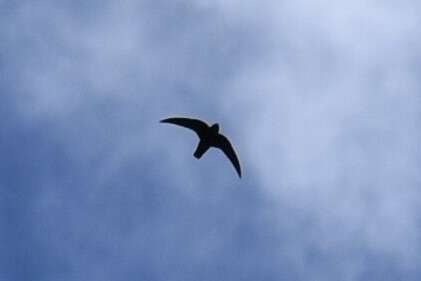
224	144
196	125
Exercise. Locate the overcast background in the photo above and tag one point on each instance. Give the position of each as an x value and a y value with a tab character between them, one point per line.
322	100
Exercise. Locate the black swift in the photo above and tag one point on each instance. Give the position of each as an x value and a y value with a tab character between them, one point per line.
209	137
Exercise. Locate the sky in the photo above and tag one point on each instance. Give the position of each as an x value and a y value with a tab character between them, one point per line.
321	99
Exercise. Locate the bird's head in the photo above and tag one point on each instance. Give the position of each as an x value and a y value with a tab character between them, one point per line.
215	128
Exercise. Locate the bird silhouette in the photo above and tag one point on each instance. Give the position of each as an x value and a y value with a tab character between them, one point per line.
209	137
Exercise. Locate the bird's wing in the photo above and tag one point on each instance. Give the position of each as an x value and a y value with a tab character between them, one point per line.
224	144
196	125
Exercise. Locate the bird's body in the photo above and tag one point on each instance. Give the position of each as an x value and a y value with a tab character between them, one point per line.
209	137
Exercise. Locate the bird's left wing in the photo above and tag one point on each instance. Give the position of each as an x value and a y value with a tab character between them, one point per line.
196	125
224	144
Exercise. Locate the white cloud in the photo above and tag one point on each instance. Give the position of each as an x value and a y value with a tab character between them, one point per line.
330	118
324	108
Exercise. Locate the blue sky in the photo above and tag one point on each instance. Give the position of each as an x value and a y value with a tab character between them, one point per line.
322	101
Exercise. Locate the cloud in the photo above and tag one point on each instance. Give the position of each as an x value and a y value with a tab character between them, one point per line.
333	106
319	98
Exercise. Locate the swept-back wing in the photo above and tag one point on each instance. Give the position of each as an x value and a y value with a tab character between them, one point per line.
196	125
224	144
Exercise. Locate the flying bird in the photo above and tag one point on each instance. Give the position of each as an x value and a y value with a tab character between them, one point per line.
209	137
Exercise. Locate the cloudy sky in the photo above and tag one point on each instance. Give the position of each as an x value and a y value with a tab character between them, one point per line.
322	100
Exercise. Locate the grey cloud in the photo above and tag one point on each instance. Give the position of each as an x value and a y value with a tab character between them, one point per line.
320	99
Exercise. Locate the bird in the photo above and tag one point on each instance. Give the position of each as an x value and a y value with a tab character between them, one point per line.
209	136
